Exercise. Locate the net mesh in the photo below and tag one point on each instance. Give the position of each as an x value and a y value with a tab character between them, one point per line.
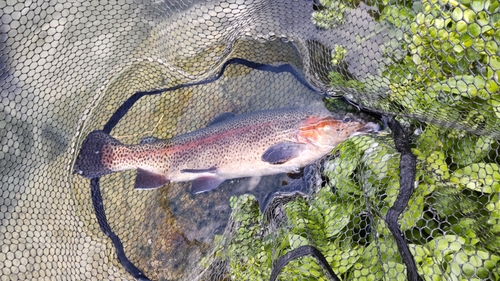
66	67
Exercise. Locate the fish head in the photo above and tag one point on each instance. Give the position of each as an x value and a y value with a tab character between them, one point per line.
330	130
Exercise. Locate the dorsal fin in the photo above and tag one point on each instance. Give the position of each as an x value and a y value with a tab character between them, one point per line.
220	118
149	140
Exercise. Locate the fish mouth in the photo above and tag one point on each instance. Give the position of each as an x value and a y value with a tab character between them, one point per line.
367	129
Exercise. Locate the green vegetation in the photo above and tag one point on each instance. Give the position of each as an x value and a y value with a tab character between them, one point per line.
344	219
442	63
445	61
330	15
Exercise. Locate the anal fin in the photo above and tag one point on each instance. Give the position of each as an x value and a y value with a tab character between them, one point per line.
282	152
149	180
204	184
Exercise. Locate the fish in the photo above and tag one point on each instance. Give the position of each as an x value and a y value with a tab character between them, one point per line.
256	144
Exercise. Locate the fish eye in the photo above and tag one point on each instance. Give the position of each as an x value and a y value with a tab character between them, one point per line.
347	119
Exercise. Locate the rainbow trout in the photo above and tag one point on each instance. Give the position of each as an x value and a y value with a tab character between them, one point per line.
249	145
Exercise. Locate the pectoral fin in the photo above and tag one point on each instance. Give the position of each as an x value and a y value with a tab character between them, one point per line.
282	152
204	184
148	180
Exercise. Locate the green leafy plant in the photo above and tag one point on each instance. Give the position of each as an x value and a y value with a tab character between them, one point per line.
330	15
447	61
442	63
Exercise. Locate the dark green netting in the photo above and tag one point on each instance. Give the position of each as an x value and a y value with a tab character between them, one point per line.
67	66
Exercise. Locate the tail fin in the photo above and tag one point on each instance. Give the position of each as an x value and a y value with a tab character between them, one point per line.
91	161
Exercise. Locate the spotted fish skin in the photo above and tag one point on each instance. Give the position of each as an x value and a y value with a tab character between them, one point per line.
249	145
